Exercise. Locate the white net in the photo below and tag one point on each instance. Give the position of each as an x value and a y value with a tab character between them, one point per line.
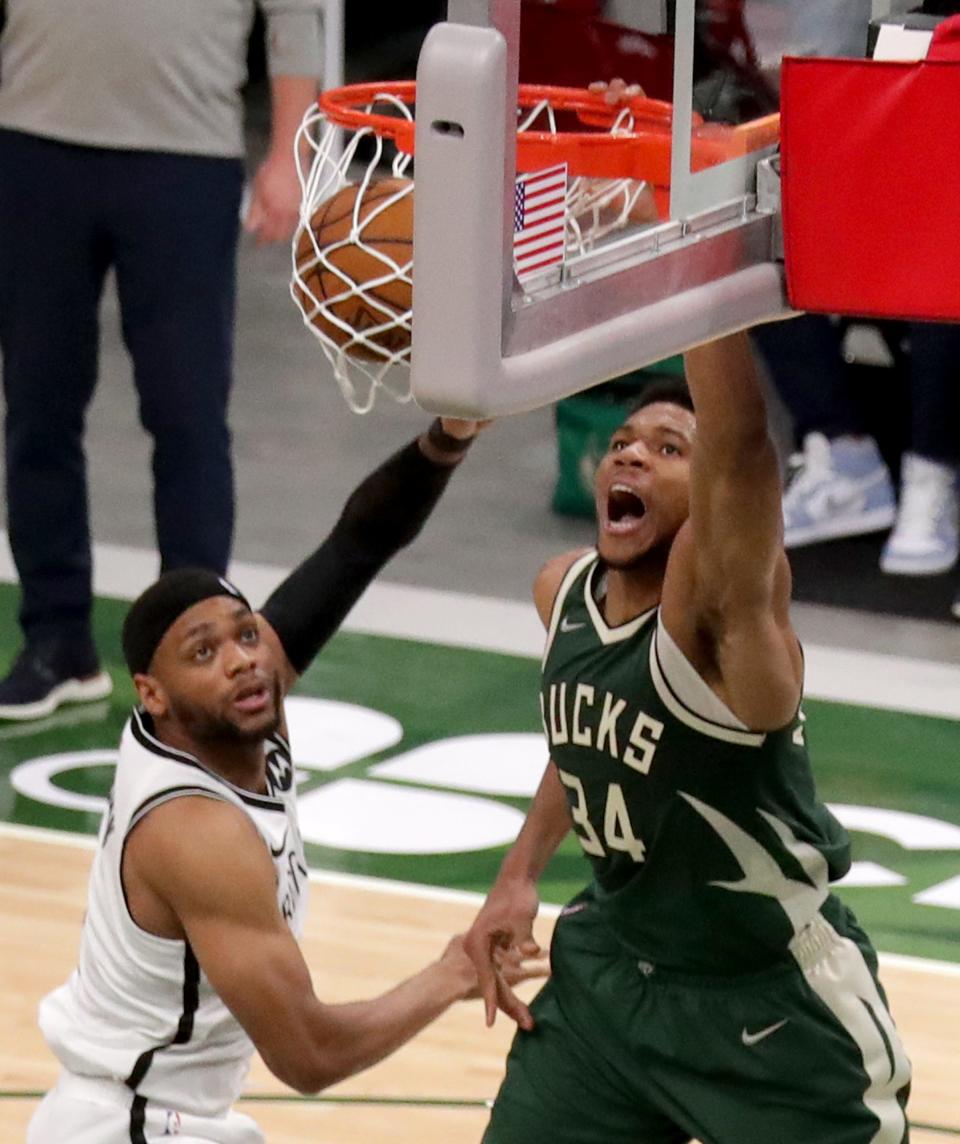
364	322
595	208
364	327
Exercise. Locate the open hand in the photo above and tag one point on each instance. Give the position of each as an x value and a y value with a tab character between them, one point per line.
499	939
510	968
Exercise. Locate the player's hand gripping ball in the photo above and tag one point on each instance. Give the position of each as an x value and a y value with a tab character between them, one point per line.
354	266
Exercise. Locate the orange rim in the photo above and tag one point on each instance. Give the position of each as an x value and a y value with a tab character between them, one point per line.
642	152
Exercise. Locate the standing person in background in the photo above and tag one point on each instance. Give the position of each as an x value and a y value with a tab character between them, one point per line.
121	147
842	485
706	984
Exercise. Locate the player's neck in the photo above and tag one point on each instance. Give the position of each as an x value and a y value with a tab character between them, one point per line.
244	764
630	592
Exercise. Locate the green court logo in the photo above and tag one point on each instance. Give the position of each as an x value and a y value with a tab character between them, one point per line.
451	796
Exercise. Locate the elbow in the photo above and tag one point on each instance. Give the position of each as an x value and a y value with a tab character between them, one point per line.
308	1077
309	1083
307	1073
313	1072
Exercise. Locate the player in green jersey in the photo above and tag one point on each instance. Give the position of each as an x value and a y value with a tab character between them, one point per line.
706	984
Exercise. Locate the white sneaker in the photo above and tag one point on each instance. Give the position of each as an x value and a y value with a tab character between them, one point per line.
926	537
841	488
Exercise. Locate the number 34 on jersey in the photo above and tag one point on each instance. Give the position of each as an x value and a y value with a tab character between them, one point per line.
617	831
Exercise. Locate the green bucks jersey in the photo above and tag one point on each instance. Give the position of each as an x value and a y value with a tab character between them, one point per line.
710	848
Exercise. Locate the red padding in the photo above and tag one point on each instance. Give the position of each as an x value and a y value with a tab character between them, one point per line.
870	169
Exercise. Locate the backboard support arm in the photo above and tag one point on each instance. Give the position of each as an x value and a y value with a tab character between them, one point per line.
463	289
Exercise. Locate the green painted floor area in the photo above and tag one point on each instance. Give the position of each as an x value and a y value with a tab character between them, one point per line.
862	756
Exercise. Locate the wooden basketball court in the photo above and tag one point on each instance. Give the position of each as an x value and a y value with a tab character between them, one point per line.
361	939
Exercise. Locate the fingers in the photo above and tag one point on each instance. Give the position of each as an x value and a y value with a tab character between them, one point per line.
512	967
498	969
275	226
533	972
511	1004
530	947
616	91
253	217
268	219
479	947
515	970
487	977
462	428
511	960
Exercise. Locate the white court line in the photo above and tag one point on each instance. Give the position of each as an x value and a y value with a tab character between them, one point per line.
458	619
427	893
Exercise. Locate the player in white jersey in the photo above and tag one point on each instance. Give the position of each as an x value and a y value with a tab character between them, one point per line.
189	957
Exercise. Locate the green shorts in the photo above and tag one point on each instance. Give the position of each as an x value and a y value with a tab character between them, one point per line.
626	1053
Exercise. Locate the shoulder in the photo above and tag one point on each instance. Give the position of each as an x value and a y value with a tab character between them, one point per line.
194	849
550	577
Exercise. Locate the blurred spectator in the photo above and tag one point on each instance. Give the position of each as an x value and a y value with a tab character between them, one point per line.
843	485
829	27
121	146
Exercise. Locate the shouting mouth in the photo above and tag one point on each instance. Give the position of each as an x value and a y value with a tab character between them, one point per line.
625	508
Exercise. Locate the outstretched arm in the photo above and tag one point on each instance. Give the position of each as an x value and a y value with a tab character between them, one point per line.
203	861
727	594
382	515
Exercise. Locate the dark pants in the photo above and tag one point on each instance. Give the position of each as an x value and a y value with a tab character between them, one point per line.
168	225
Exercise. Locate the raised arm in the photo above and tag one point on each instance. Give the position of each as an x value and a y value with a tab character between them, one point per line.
727	593
383	514
202	861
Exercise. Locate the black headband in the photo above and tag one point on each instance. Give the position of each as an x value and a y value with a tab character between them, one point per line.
156	609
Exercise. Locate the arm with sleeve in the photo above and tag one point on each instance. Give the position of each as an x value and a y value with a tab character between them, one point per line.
383	514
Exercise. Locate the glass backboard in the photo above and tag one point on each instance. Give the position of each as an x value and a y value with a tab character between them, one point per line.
698	255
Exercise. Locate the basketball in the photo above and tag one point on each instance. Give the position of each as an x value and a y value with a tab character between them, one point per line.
360	241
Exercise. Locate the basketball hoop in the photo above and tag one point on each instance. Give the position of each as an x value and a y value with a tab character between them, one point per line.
618	159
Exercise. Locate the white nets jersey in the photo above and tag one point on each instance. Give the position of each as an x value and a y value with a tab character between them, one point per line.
138	1009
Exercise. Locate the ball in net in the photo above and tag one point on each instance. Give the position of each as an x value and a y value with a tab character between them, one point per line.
353	269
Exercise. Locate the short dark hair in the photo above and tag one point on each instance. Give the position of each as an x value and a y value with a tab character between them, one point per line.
669	390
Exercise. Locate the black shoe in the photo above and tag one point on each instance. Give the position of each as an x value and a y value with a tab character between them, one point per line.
44	676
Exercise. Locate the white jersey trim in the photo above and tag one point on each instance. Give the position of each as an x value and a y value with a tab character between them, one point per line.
169	795
606	634
150	742
565	584
684	694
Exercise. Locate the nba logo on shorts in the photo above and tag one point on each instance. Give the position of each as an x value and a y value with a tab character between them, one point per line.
172	1126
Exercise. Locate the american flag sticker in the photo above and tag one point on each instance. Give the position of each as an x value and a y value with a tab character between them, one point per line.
539	215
